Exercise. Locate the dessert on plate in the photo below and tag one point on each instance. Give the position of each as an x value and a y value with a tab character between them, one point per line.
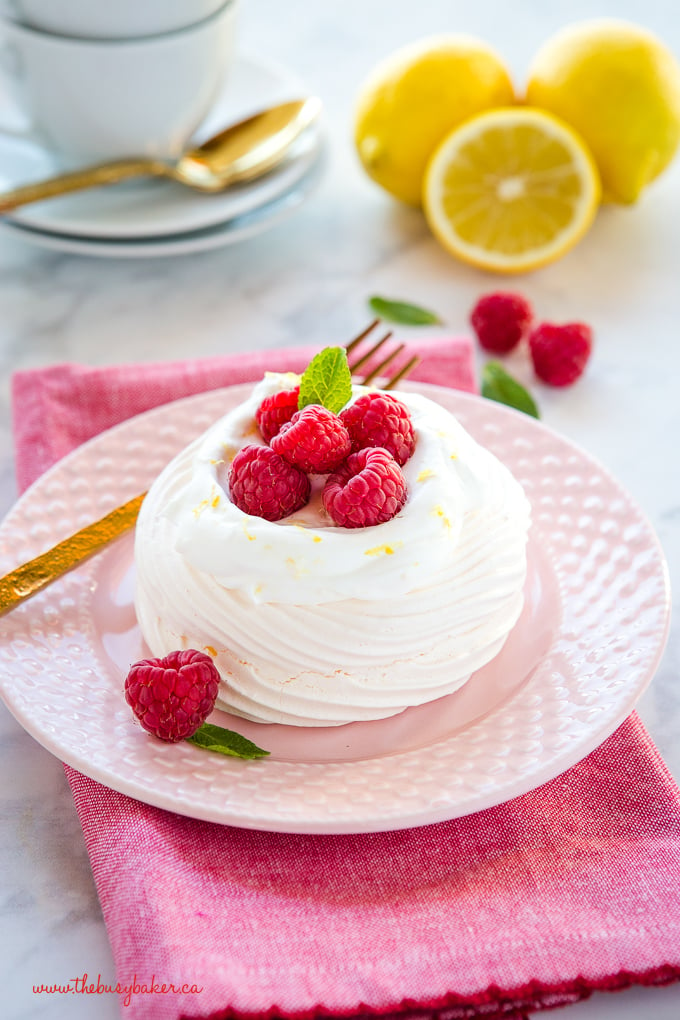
332	608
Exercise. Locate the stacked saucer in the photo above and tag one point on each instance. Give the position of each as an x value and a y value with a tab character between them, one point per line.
144	217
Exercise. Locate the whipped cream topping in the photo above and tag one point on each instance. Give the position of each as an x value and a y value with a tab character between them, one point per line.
313	624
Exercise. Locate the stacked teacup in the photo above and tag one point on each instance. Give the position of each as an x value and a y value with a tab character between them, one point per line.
108	79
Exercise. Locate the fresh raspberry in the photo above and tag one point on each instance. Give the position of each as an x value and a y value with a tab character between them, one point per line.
369	488
560	353
173	696
314	440
275	411
501	320
263	484
379	419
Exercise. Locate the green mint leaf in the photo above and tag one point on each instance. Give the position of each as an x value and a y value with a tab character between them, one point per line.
498	385
402	312
215	738
326	380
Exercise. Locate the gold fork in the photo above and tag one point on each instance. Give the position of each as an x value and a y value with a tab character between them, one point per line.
377	370
30	578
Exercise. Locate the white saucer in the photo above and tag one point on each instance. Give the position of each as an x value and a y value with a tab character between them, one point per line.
231	231
156	208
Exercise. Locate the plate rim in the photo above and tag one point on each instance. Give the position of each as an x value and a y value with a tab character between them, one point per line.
392	819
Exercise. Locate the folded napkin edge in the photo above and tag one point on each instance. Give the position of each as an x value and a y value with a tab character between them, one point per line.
44	399
504	1003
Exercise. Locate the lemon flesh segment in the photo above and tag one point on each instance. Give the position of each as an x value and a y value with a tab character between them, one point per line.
511	190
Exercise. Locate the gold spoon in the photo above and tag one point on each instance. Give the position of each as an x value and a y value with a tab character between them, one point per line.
242	152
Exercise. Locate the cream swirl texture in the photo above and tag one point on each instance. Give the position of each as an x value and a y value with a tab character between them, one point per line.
312	624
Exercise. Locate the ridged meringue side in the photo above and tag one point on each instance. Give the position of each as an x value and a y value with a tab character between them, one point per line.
311	624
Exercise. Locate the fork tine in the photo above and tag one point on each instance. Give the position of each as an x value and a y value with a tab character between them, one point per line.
379	368
382	365
362	336
356	365
404	371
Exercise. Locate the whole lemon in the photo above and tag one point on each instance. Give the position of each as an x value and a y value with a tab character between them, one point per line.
415	97
619	87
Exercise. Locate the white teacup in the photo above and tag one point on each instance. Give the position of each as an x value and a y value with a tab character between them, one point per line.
92	100
108	19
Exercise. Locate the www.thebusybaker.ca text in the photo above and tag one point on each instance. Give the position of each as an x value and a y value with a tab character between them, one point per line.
83	986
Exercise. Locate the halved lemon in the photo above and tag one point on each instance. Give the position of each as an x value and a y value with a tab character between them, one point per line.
511	190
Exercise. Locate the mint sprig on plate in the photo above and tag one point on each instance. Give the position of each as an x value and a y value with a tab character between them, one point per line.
216	738
326	380
499	385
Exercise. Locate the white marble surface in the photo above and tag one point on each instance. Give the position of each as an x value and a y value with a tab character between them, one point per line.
309	278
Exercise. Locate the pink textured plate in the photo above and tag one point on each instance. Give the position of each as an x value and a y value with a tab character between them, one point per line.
586	646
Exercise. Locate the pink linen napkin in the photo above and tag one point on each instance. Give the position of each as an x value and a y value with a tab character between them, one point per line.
532	904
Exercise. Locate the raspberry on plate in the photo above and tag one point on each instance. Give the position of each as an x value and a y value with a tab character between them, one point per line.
172	697
314	440
369	488
501	320
379	419
263	484
275	411
560	353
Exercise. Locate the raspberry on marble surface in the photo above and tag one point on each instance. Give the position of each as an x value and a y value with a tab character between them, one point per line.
560	353
501	320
